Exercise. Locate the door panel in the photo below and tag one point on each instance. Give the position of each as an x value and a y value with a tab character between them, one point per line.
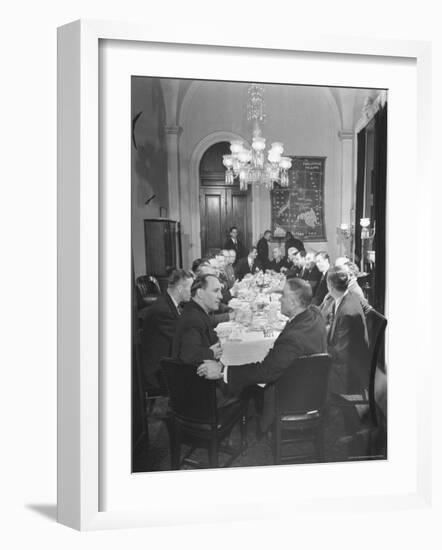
238	213
212	218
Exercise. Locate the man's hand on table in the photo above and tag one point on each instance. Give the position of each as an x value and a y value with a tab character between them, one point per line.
212	370
217	350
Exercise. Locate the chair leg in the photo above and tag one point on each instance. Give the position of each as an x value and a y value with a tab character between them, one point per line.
213	452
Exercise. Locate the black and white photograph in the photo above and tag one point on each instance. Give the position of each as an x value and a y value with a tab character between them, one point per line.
258	250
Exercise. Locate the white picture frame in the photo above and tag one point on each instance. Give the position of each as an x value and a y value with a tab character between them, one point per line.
80	294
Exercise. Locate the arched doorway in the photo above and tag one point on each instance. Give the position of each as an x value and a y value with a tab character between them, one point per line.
221	205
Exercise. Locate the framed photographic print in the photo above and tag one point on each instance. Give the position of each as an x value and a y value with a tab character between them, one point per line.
290	153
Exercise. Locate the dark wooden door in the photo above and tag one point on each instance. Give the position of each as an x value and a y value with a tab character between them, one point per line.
220	208
213	217
221	205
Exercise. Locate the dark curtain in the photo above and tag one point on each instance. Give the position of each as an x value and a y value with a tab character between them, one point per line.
380	204
360	188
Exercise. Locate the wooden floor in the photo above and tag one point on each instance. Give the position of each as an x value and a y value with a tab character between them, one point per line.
152	453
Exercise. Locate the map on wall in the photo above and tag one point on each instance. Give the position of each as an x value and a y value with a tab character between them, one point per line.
299	208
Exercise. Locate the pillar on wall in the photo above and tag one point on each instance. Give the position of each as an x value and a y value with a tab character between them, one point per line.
347	182
172	137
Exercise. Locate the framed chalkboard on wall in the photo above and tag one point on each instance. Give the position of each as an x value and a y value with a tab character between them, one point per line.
299	208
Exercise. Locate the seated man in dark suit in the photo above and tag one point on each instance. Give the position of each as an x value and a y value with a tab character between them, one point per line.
353	285
197	264
292	242
290	259
313	273
159	326
224	313
323	264
263	249
299	268
195	339
278	263
347	337
215	257
353	288
248	265
229	272
304	334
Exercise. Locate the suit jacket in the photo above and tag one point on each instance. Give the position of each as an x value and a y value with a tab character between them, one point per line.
238	247
320	291
299	273
276	266
348	347
355	289
225	287
230	275
157	334
303	335
293	242
313	277
263	252
194	335
328	304
242	267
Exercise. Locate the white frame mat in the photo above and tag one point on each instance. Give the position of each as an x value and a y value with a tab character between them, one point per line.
80	292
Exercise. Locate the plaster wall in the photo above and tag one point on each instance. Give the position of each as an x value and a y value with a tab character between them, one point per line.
305	119
149	161
310	121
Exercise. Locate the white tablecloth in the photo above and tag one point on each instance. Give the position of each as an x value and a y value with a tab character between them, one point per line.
253	347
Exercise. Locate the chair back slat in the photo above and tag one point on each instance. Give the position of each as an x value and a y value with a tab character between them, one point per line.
191	397
147	284
154	285
376	325
142	286
303	386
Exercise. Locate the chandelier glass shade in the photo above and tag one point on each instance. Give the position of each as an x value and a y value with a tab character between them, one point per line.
251	165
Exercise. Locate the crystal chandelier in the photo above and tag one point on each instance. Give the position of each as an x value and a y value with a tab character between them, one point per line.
249	165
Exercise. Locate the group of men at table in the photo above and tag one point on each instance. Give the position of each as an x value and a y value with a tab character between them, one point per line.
324	305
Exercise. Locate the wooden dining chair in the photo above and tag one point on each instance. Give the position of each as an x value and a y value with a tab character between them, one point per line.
376	326
300	402
148	290
195	418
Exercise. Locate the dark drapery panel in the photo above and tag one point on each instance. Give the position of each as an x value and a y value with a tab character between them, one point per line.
360	187
380	203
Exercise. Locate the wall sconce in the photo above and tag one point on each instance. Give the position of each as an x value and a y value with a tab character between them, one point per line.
366	232
367	235
345	233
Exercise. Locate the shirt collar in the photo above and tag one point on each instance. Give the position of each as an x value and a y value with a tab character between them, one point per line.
173	299
339	300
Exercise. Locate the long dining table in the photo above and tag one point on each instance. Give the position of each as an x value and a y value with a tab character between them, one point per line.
258	320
